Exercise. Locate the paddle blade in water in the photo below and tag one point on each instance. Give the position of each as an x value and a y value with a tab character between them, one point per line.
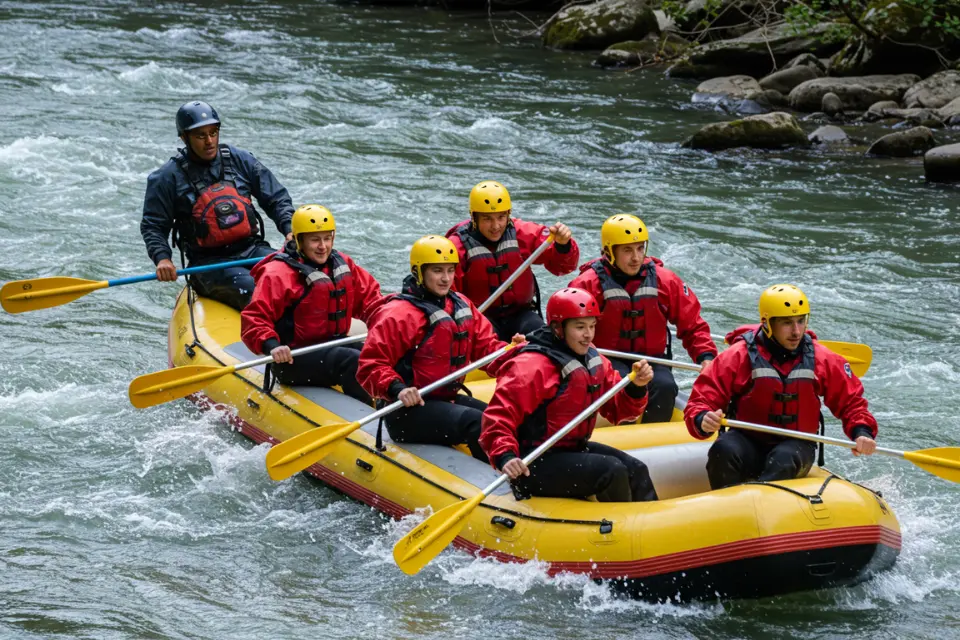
43	293
414	550
943	462
304	450
170	384
858	355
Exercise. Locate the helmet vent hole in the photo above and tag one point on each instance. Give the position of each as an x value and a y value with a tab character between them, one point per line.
801	303
487	201
786	304
440	252
499	200
324	219
583	305
313	221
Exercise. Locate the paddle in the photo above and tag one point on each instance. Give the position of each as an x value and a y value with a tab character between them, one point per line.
414	550
163	386
43	293
516	274
303	450
858	355
941	461
623	355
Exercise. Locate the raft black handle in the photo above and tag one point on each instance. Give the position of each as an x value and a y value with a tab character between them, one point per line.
503	522
606	526
363	464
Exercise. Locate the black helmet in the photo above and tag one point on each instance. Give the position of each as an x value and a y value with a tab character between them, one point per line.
195	114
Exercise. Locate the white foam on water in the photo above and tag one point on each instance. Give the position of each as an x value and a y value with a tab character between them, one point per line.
175	33
492	123
243	36
62	87
155	76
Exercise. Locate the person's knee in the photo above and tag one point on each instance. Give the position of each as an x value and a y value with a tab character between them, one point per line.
788	462
614	484
725	465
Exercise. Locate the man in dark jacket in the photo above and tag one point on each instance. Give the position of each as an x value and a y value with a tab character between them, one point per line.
202	195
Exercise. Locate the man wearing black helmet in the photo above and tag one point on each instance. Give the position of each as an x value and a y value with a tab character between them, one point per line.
202	195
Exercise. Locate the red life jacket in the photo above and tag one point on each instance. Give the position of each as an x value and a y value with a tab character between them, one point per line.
445	347
220	215
484	271
631	319
323	311
788	401
580	386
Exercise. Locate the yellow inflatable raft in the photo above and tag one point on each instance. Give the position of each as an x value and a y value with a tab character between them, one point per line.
752	540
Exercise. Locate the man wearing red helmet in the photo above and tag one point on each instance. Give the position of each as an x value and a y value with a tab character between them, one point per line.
774	374
492	245
541	387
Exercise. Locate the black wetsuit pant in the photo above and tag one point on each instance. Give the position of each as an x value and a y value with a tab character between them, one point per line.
662	390
597	470
325	368
523	321
440	422
233	286
737	457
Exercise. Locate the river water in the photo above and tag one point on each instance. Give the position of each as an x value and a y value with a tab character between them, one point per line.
117	523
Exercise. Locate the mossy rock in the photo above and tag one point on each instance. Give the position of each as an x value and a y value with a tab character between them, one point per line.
767	131
600	24
650	50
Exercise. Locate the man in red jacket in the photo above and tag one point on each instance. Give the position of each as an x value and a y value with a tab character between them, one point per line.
637	297
541	387
419	336
776	377
307	297
492	245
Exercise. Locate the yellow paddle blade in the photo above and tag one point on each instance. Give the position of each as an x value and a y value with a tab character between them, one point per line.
170	384
416	549
943	462
858	355
301	451
43	293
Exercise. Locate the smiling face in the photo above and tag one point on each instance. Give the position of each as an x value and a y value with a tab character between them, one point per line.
788	331
438	278
203	141
492	225
316	245
578	334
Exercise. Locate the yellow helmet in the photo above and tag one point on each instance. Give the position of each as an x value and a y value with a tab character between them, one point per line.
622	228
431	250
781	300
489	197
310	218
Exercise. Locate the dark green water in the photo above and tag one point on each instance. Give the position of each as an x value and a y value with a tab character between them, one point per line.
116	523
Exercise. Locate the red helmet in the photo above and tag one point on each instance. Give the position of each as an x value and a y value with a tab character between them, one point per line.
571	303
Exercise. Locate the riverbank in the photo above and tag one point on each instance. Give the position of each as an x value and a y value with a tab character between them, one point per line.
867	78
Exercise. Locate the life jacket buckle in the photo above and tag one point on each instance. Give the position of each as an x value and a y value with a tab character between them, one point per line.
461	335
337	315
338	293
632	335
786	397
633	313
498	268
458	361
783	419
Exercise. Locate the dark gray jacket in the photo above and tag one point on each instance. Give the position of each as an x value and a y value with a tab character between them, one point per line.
170	198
